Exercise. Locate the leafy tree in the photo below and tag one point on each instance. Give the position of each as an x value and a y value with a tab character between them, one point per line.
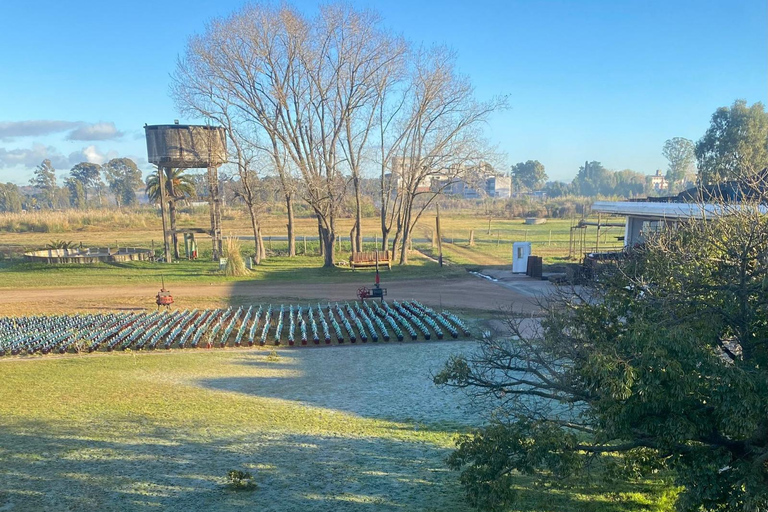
10	198
530	175
44	178
557	189
735	144
87	174
77	195
123	177
661	362
593	179
682	159
628	183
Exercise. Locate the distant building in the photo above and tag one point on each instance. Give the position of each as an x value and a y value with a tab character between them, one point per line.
469	182
658	181
498	186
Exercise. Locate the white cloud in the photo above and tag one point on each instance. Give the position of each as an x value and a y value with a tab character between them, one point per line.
96	131
32	157
12	129
91	154
78	130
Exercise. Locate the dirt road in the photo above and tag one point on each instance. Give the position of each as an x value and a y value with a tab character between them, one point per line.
463	293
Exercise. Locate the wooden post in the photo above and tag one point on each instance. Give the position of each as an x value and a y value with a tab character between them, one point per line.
597	241
439	237
305	244
550	237
471	237
161	177
214	203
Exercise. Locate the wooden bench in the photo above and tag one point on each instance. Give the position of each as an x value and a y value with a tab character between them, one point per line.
368	259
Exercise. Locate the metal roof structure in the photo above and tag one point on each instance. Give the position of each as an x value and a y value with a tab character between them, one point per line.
669	211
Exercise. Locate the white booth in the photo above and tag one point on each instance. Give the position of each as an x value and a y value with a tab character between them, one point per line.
520	253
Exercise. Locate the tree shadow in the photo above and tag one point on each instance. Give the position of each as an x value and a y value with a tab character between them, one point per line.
53	466
375	380
50	467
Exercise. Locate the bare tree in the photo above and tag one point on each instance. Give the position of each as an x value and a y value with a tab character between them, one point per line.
309	92
301	85
439	139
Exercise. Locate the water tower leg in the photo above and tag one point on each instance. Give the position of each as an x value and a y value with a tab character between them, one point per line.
161	175
214	203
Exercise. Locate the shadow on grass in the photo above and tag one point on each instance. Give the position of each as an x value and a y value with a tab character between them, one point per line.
129	466
52	467
375	380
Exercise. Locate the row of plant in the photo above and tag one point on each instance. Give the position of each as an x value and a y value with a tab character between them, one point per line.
220	328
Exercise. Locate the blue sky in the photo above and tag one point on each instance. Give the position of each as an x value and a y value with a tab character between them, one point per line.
587	80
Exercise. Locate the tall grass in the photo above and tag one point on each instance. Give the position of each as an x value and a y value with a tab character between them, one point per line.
76	220
235	264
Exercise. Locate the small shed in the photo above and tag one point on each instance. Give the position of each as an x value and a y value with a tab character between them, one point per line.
520	253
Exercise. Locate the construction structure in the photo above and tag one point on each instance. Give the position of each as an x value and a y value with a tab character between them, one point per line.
179	146
578	244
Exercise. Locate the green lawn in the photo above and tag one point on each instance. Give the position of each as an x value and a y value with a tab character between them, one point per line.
16	274
350	428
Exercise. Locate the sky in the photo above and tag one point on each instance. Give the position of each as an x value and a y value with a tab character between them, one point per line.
604	80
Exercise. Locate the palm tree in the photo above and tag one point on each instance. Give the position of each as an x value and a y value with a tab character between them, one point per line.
178	187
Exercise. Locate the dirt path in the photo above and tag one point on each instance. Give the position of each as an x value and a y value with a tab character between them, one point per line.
464	293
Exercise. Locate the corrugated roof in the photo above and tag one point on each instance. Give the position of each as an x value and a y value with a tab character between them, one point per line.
671	211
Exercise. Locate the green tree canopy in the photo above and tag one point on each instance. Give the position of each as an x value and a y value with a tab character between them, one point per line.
77	195
735	144
123	177
530	175
10	198
679	152
44	178
87	174
661	361
179	186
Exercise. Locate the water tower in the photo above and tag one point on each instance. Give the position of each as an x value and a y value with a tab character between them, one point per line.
183	146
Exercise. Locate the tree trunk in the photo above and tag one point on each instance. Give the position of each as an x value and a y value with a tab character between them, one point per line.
174	236
256	241
404	249
291	235
328	241
357	245
262	249
320	237
406	233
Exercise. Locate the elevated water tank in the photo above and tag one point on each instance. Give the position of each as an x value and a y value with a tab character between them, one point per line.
186	146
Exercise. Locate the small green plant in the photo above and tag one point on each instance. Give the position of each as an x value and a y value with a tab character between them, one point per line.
273	356
240	480
60	244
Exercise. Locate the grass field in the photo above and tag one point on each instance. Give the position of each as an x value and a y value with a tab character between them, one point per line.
142	229
16	274
348	428
354	428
